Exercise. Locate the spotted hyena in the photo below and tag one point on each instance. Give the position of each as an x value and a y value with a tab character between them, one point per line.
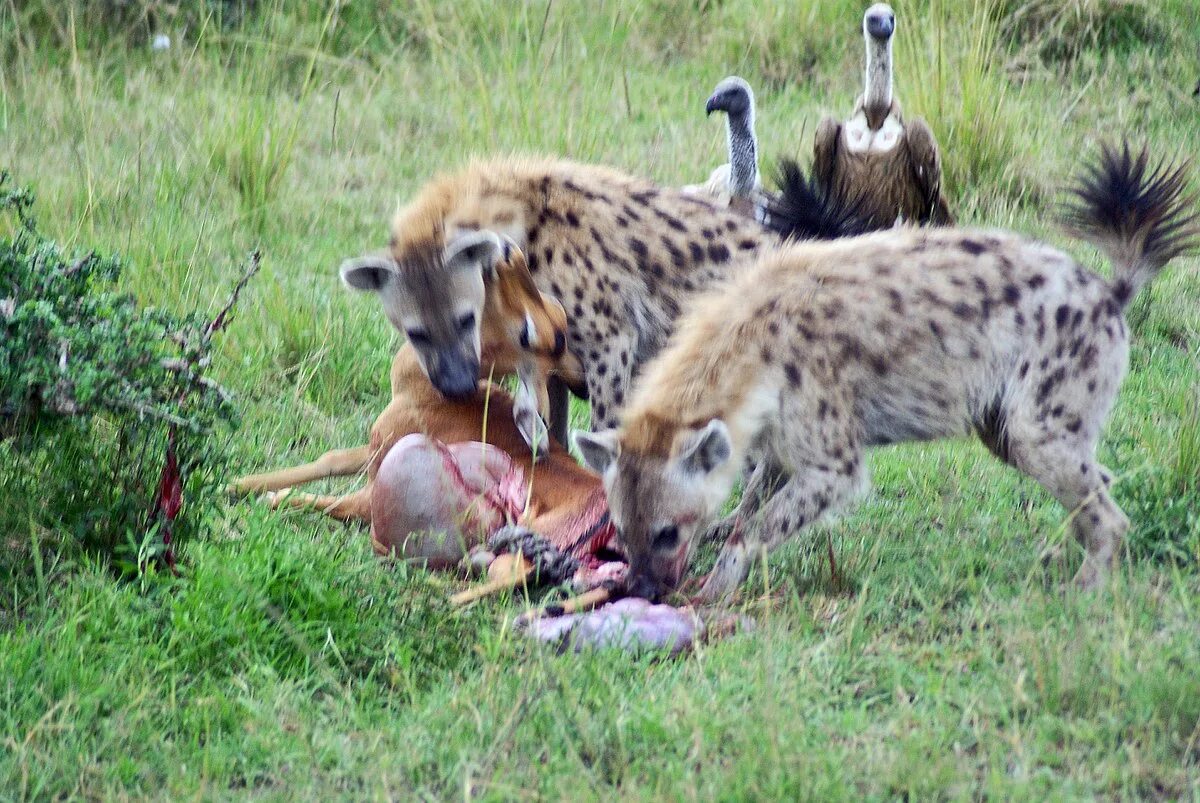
622	255
823	349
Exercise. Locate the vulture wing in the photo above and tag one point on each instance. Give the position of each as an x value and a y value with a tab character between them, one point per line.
825	154
926	162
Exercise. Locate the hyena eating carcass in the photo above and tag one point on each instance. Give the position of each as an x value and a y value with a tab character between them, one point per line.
822	349
621	254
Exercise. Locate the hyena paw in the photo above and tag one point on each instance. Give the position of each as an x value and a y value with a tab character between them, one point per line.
1091	576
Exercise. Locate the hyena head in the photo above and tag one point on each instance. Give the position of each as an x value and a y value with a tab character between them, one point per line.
435	297
661	498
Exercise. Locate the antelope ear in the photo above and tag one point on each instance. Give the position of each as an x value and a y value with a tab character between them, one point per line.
706	449
368	273
474	249
599	449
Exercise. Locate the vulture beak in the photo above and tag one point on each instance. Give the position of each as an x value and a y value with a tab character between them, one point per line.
713	104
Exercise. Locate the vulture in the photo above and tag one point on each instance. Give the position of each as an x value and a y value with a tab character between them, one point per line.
888	167
735	184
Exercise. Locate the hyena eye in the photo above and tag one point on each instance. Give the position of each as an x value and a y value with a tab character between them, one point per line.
417	337
667	538
466	322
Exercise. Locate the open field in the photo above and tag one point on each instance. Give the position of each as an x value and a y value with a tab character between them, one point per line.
946	661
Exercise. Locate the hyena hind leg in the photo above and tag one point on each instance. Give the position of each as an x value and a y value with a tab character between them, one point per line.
804	497
1068	469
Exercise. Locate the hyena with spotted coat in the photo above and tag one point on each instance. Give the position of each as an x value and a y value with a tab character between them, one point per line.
621	254
823	349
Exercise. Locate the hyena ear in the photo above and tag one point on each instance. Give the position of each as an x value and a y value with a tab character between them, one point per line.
599	449
369	273
706	449
474	249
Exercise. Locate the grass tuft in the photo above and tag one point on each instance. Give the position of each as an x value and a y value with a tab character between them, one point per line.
953	77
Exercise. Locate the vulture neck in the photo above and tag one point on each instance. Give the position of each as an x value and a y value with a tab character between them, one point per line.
877	101
743	152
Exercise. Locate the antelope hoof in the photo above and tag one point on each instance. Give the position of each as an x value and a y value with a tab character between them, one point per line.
532	428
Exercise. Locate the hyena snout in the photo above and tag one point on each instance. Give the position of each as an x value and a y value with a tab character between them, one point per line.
640	584
454	373
656	575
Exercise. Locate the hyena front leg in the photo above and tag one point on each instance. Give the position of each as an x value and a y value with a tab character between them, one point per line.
764	476
804	497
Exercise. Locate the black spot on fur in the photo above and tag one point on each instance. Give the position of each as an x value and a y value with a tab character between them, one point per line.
1024	370
1074	425
747	245
718	253
697	252
630	213
1049	383
622	221
1060	316
972	247
963	310
638	247
936	328
549	255
678	258
822	409
1122	292
672	221
572	219
1012	294
1035	281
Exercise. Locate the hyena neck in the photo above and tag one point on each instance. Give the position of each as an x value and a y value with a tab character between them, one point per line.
685	392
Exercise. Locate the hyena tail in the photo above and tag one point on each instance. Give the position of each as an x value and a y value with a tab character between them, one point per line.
1137	213
803	211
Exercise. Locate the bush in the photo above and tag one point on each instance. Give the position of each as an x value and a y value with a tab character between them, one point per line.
106	410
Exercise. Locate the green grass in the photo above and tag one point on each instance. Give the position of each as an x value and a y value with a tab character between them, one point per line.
948	662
